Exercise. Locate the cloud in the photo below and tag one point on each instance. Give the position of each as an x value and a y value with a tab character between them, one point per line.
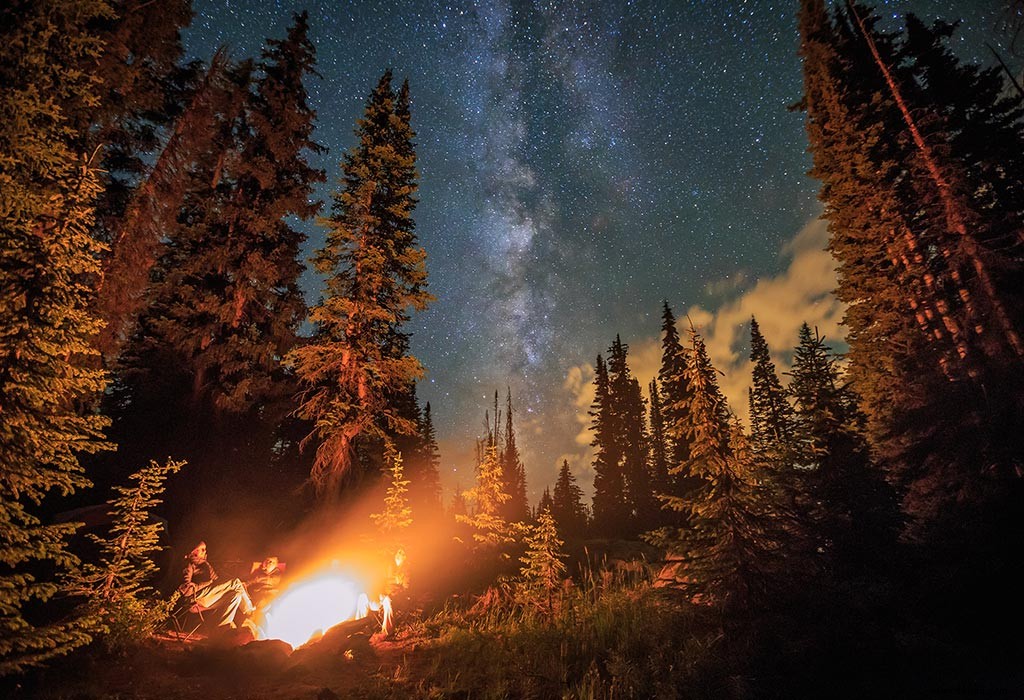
803	292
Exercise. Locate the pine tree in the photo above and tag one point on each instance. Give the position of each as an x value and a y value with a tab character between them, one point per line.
394	521
489	528
425	490
852	510
546	503
228	300
610	514
629	433
771	416
725	555
543	569
918	156
118	590
675	393
567	504
375	276
139	226
513	474
48	257
660	482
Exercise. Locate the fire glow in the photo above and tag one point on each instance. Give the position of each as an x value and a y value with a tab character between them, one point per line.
309	608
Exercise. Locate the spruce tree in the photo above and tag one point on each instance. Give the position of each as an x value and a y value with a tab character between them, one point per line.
118	589
425	490
487	497
771	416
227	299
675	393
918	156
513	474
567	504
546	503
139	227
658	450
394	521
609	505
630	435
852	510
543	569
48	258
376	275
725	555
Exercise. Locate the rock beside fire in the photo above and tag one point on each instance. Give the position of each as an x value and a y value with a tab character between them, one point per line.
347	641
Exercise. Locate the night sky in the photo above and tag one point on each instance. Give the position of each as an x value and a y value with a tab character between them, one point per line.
580	162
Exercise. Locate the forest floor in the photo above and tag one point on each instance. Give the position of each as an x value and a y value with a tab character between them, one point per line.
352	660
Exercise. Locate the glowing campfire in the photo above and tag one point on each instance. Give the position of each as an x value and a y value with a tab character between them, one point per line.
310	607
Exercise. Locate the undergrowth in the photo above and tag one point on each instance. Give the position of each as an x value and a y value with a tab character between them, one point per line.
609	635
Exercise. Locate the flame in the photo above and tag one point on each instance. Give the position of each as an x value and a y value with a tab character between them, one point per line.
310	608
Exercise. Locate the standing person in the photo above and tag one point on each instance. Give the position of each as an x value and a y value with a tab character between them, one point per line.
200	583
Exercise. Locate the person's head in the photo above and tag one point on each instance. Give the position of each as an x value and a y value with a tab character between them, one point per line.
269	565
198	553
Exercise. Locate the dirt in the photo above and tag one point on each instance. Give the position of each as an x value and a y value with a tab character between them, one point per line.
352	660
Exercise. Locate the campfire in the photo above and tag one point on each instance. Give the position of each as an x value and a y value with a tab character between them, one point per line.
308	608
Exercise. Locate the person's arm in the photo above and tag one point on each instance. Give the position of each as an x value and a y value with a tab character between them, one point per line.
188	587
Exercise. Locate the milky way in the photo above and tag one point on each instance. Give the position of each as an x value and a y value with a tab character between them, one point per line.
580	162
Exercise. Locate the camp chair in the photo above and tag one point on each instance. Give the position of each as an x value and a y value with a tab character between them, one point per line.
187	617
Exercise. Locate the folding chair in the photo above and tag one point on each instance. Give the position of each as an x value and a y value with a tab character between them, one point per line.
185	612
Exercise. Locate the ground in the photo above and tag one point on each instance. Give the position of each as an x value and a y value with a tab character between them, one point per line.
351	661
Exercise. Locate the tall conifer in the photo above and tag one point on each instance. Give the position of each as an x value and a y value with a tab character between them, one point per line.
771	416
48	258
567	504
610	512
376	276
726	552
513	473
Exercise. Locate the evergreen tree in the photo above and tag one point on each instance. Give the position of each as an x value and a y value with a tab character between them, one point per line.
725	554
852	509
610	513
394	521
375	275
567	504
139	226
675	393
771	416
918	155
658	452
118	589
489	528
513	474
543	569
546	503
48	257
425	490
629	433
227	300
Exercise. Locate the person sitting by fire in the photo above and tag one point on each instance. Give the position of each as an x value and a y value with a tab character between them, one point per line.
264	580
200	582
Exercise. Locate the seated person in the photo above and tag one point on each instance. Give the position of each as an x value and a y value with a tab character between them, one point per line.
200	582
264	579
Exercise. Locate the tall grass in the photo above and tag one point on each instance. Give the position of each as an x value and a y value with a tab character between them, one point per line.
609	635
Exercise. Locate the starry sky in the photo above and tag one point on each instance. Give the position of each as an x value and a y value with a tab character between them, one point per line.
580	162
